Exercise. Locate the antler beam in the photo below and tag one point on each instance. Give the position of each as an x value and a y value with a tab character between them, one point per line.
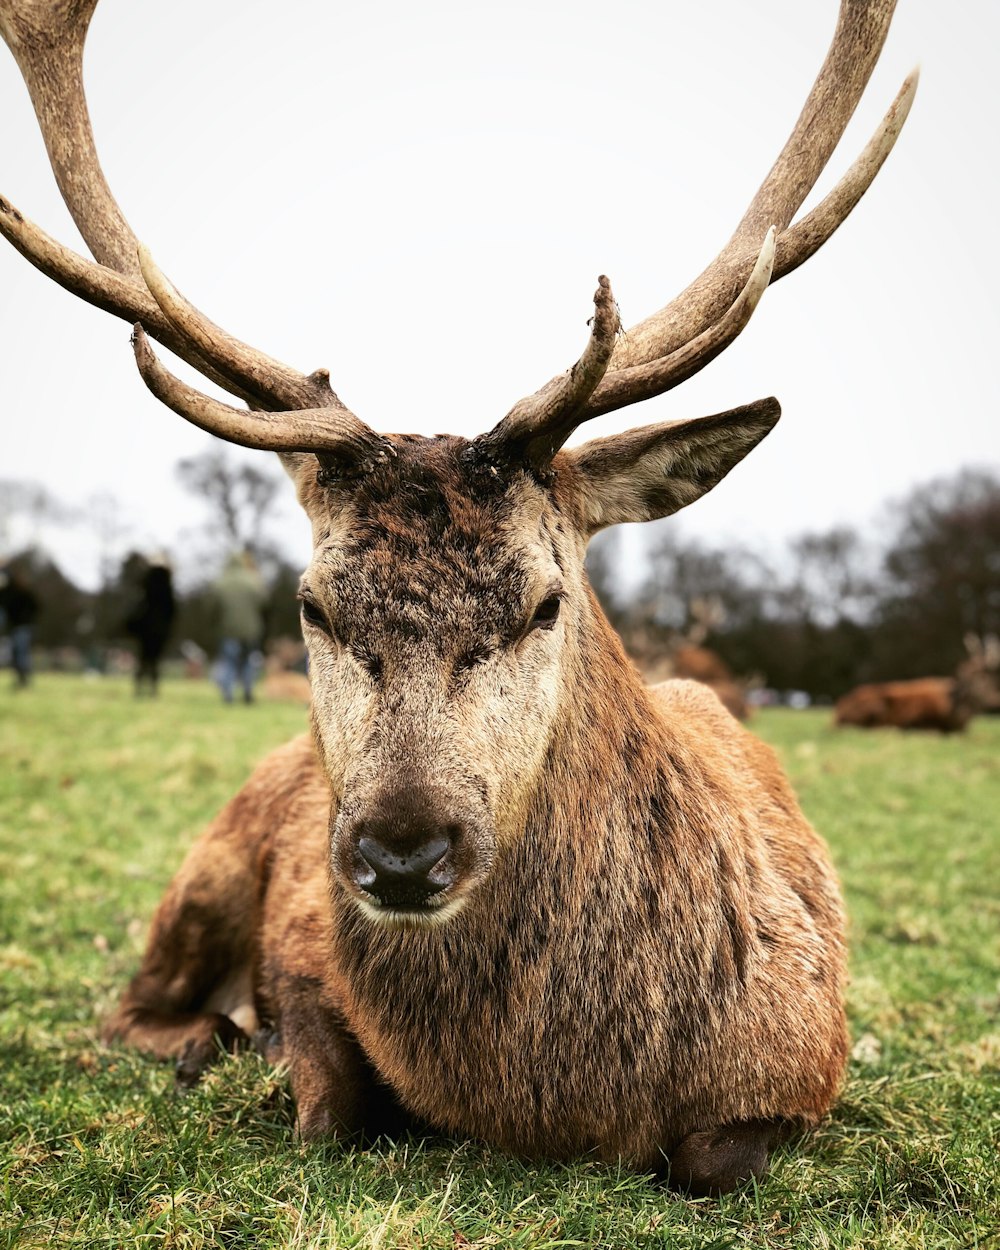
685	335
47	39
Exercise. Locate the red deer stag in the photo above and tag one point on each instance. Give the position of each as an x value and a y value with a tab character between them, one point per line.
946	704
505	885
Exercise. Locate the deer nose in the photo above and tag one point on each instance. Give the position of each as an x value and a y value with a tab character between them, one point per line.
403	876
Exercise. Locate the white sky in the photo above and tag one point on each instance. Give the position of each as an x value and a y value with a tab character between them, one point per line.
421	196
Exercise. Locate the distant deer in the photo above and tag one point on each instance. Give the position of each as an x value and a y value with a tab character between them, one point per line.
284	678
685	655
504	886
946	704
691	658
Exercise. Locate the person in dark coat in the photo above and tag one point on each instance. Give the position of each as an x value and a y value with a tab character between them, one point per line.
151	621
19	611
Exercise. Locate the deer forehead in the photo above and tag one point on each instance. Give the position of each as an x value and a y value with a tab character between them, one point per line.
433	545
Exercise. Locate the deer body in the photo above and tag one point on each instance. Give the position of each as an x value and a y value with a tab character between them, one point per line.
672	961
628	981
946	704
923	703
506	886
657	945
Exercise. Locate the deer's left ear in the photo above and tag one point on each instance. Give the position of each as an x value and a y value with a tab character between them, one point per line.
652	471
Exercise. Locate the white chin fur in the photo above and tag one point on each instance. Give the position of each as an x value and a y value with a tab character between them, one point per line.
393	919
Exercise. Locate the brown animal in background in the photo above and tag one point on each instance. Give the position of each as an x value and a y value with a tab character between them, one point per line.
946	704
687	656
694	660
505	886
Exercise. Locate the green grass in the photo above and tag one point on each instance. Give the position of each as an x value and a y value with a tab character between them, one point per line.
99	797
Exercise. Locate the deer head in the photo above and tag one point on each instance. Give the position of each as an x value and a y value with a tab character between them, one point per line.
977	678
447	613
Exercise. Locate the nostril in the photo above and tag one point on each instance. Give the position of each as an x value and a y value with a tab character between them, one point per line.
387	869
364	873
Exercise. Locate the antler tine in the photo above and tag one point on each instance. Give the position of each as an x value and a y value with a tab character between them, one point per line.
810	232
258	379
536	427
105	288
47	39
862	26
674	343
629	385
344	444
242	365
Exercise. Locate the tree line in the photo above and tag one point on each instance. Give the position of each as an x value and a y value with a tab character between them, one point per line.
835	608
829	611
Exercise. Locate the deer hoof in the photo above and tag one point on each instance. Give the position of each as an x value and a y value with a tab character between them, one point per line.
217	1034
713	1162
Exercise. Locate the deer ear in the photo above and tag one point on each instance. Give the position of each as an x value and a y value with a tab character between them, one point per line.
303	468
655	470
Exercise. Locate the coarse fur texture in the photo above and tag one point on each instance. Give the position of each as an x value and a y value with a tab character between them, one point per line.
644	940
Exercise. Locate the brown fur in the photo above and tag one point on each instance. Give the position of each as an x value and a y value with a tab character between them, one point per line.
946	704
644	955
286	686
284	681
700	664
704	665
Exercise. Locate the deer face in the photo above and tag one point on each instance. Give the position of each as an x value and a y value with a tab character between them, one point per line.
444	608
440	608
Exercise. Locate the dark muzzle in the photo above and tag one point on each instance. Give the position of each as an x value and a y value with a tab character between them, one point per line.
403	876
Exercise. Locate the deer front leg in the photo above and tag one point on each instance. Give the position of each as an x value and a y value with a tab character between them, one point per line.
193	996
192	999
336	1091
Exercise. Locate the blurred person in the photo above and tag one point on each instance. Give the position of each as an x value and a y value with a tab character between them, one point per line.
240	599
19	610
151	621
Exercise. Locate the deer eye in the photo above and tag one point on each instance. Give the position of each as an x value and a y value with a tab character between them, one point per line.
314	615
546	614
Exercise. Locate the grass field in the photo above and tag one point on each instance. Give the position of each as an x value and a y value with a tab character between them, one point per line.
99	797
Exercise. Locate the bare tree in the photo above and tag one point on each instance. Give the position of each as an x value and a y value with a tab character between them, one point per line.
941	575
26	507
239	495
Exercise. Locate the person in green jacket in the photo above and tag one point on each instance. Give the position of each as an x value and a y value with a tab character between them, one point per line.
240	598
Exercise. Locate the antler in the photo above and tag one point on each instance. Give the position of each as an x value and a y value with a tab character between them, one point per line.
302	412
674	343
47	39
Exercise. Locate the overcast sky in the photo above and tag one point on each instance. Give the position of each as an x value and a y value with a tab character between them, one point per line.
421	196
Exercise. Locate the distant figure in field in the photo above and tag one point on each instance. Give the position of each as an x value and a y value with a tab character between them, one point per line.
151	621
18	612
240	596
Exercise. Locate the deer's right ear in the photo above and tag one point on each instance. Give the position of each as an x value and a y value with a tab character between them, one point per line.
301	467
304	469
655	470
